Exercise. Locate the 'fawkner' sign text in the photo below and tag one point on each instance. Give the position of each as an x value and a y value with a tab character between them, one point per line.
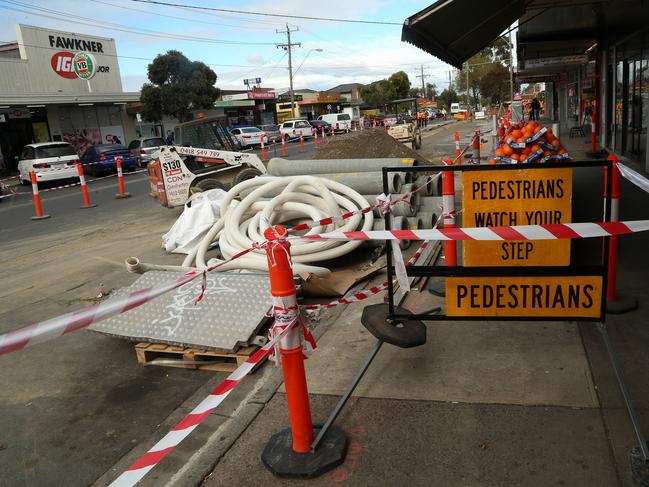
75	44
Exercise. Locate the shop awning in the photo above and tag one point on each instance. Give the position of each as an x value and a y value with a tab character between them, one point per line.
455	30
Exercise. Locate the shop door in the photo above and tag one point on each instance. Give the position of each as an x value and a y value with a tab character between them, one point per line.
621	81
14	135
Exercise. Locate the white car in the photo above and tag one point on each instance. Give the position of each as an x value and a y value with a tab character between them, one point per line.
248	136
49	160
293	127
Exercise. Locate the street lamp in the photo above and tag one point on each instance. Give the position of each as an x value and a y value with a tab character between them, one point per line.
290	76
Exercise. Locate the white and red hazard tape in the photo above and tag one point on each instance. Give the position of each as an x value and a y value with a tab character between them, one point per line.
71	185
189	423
517	232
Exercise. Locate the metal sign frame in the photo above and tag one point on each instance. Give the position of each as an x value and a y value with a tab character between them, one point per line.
600	270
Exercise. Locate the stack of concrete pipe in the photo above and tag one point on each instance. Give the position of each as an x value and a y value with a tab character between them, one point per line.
366	177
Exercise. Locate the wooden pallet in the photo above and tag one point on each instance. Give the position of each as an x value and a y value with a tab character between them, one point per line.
222	361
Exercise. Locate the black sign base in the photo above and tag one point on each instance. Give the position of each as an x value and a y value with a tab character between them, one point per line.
623	304
278	455
639	467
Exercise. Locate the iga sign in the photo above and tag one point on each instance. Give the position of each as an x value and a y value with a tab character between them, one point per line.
62	64
81	65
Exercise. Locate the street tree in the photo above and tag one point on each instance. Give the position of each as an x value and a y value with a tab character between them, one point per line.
177	87
401	83
431	90
378	93
446	97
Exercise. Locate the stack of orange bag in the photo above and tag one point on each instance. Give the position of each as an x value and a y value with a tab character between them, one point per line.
527	143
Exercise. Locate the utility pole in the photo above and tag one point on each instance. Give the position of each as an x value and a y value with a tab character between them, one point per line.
511	68
423	85
287	47
467	85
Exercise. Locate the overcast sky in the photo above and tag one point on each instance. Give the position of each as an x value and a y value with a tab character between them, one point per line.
351	52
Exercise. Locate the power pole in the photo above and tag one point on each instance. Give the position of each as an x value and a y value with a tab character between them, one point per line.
467	85
423	85
287	47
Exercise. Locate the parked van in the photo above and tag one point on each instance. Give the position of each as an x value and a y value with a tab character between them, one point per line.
339	121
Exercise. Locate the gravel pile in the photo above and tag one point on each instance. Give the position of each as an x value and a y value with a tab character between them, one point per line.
366	145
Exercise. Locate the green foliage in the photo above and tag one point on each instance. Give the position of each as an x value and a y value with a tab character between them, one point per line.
401	83
177	87
385	90
488	75
446	97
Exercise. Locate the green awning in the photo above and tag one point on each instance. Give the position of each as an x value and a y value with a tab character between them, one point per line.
455	30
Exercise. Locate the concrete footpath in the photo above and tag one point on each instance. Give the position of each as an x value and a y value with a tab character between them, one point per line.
480	404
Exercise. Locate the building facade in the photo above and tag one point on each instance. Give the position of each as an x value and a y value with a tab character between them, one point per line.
60	86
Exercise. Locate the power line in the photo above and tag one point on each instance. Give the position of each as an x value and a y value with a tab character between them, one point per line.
76	19
266	14
134	57
175	17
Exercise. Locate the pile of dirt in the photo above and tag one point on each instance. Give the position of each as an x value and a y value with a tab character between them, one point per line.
367	145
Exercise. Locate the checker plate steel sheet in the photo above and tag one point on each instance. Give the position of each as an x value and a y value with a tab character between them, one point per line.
232	310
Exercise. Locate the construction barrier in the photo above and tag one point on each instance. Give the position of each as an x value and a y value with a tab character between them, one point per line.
324	136
457	148
301	141
120	180
283	145
448	212
37	199
84	188
263	149
475	156
315	138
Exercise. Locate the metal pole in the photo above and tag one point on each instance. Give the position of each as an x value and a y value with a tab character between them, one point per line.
511	68
346	396
642	442
290	72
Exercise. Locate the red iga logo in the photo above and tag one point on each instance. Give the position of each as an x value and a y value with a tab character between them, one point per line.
62	64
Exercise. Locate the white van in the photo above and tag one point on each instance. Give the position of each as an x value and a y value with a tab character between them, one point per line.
339	121
457	108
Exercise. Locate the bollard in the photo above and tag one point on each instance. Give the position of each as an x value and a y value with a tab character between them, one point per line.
332	132
301	142
120	180
283	145
475	156
315	138
593	133
263	148
458	152
37	199
448	211
373	125
614	302
84	188
346	128
288	453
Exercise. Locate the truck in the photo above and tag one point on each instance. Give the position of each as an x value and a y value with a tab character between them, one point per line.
180	170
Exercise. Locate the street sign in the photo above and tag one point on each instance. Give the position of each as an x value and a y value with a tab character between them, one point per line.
524	296
517	197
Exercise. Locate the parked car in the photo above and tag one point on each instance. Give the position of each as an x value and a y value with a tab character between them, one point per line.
100	159
248	136
320	124
145	149
291	128
272	132
49	160
339	121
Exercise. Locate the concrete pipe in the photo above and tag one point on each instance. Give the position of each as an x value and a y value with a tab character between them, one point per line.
368	182
430	203
428	219
396	223
414	222
433	185
283	167
410	205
